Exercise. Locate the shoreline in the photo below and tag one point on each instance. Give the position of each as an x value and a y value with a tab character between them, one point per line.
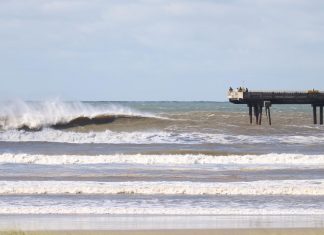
300	231
157	222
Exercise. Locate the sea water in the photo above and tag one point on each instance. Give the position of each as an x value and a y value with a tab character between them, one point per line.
158	158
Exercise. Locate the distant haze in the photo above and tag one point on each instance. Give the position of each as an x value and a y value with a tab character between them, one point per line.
158	49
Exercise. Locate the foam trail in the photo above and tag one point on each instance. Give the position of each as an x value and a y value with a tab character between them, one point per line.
36	115
50	135
186	159
156	210
266	187
150	137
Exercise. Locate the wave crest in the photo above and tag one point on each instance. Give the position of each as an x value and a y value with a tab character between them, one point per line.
272	159
152	137
38	115
266	187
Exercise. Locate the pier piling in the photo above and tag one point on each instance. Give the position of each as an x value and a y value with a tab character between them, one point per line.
250	113
267	105
269	116
314	114
260	114
321	115
257	114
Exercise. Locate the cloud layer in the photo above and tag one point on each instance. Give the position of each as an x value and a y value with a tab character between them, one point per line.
158	49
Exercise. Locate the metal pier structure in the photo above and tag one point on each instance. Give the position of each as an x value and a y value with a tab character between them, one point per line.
258	100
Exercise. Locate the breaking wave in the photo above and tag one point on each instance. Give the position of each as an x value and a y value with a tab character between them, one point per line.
186	159
151	137
111	137
112	208
266	187
59	115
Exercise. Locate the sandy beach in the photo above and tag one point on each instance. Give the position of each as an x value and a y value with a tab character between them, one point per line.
308	231
156	225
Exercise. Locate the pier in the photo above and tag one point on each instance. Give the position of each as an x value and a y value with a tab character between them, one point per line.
257	100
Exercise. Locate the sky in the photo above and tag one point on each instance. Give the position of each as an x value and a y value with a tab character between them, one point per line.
186	50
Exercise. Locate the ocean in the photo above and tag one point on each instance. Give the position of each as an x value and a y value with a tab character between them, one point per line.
158	158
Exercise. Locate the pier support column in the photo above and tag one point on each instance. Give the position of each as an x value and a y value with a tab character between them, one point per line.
256	114
269	116
314	114
321	114
267	105
250	113
260	114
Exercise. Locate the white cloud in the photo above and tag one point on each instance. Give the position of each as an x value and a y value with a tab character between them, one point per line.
217	38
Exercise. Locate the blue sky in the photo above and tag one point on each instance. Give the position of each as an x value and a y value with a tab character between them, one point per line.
158	49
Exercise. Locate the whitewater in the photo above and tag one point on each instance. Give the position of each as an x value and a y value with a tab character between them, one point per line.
37	115
161	158
287	160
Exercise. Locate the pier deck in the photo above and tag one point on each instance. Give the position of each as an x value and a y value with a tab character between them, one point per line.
258	99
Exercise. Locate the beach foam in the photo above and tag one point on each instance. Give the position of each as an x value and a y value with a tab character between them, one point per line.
274	187
50	135
190	159
129	209
150	137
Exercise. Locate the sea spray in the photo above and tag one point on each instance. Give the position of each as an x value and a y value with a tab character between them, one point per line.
37	115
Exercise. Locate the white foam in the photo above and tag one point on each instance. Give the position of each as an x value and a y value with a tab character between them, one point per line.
150	137
186	159
130	209
299	139
275	187
35	115
50	135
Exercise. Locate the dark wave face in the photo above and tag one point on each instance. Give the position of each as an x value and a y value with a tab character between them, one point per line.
83	122
102	123
97	120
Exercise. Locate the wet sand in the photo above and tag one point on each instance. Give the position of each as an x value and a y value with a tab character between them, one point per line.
308	231
155	225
